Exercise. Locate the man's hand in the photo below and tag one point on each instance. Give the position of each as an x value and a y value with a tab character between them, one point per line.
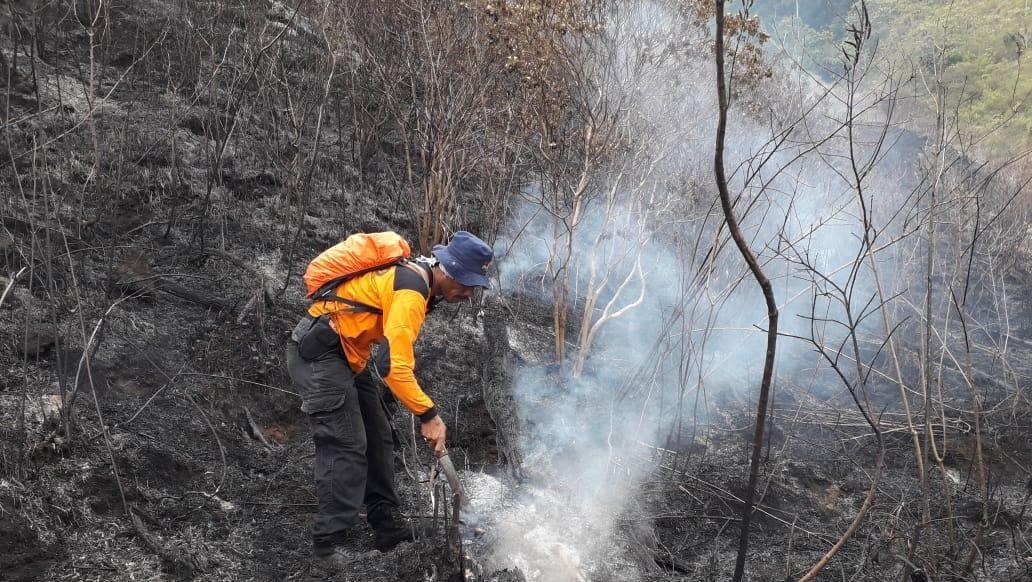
433	432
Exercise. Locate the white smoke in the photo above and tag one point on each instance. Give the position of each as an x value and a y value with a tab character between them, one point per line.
691	334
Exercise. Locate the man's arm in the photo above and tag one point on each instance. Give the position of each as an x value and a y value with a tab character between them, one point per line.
401	328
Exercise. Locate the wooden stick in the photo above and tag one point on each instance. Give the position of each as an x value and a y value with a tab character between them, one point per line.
256	430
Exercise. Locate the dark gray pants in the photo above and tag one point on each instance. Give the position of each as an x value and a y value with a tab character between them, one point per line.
354	448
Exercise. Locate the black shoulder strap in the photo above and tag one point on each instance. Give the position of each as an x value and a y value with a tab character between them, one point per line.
332	283
410	275
354	306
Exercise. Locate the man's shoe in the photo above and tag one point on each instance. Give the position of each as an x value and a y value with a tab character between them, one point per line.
336	558
386	540
388	529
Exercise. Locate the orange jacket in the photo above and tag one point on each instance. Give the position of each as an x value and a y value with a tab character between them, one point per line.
401	293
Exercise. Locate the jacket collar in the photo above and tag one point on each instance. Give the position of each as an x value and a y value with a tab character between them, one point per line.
426	268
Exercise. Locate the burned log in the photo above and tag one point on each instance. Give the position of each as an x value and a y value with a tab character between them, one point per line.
202	298
134	275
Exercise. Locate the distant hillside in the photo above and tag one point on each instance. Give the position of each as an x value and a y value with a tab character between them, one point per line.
983	44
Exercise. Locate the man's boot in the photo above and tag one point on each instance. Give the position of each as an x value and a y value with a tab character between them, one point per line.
326	560
388	529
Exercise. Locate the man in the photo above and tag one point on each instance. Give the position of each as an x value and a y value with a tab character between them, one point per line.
327	359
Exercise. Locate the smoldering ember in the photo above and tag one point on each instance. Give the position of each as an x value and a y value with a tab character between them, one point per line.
516	290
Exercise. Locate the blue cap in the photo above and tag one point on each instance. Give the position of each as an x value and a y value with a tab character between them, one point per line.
466	259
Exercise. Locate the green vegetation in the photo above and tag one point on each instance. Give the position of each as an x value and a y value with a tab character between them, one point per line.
982	43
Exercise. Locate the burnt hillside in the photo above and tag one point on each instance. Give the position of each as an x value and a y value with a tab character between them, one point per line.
169	167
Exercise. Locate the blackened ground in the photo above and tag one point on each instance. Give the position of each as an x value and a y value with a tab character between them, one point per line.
190	466
189	367
22	555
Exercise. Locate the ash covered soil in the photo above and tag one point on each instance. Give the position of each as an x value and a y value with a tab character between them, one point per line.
204	469
185	456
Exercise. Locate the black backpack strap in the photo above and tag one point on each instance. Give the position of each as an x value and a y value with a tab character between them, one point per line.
354	306
324	293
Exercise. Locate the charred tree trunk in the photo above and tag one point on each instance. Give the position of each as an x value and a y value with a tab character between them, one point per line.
723	102
497	387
